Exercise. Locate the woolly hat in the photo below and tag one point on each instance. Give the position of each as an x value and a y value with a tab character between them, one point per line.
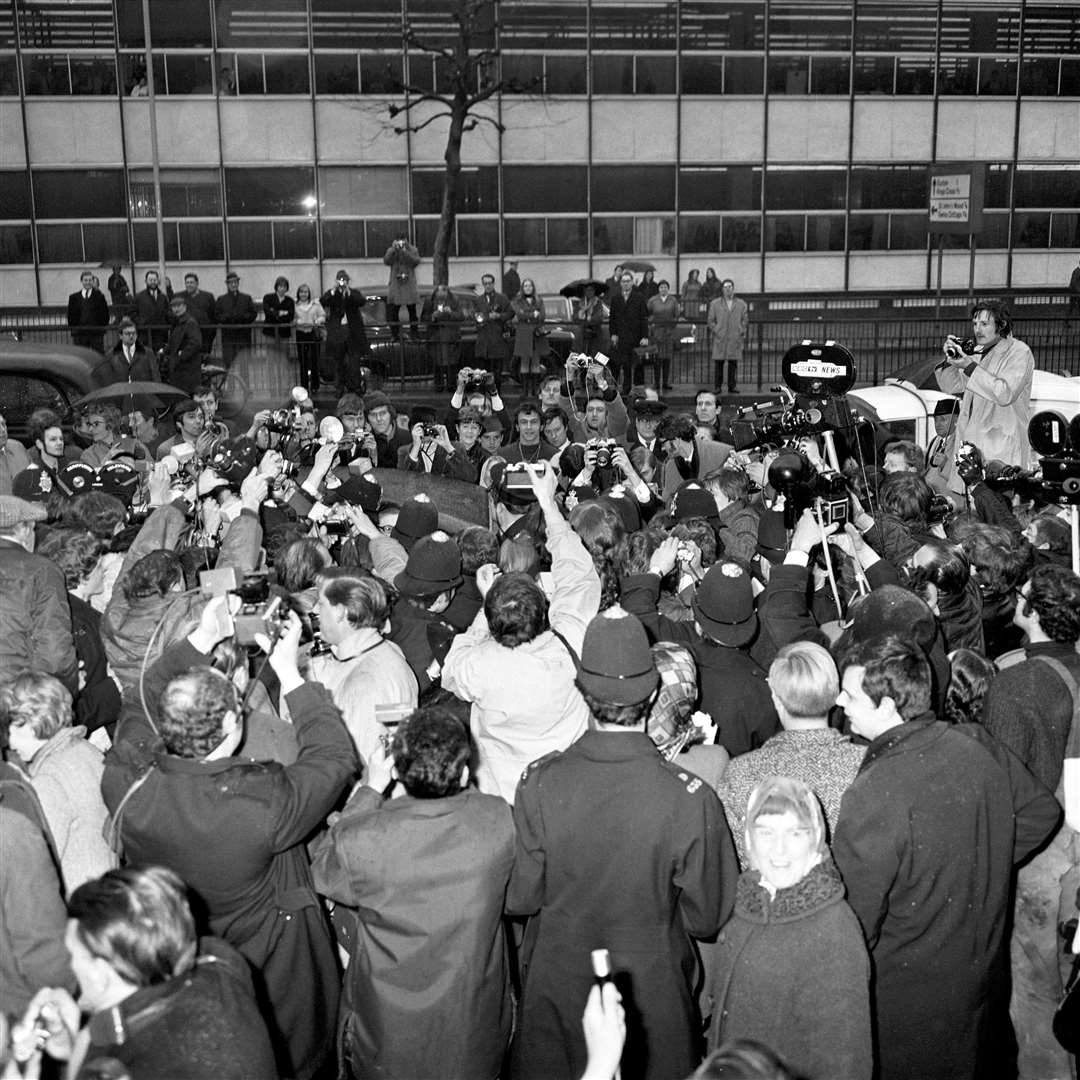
692	501
74	478
377	400
33	484
363	491
418	517
14	511
434	566
724	605
616	662
678	693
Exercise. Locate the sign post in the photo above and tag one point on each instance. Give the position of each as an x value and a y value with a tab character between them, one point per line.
956	207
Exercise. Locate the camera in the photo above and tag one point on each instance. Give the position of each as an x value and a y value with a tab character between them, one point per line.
478	381
965	345
604	449
281	421
792	474
431	431
516	477
258	614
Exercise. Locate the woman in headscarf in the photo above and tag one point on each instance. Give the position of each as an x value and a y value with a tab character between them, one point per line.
790	967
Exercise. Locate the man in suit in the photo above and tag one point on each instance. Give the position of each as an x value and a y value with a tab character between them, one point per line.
346	339
183	353
728	319
688	458
200	305
629	326
129	360
88	315
152	312
235	311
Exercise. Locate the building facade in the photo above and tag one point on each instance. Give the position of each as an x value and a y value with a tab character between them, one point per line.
785	143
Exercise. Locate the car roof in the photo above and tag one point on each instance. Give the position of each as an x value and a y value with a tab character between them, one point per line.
71	362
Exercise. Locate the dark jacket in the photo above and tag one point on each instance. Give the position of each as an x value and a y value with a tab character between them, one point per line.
491	333
235	311
200	1024
234	831
151	316
928	836
115	368
184	354
389	447
35	619
778	954
425	639
88	318
428	877
98	702
961	618
629	321
345	317
616	849
278	315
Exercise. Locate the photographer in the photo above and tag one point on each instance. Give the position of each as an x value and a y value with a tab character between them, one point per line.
994	379
431	450
403	258
442	321
477	388
469	454
235	830
493	314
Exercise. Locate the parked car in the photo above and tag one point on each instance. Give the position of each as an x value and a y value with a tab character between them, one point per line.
38	376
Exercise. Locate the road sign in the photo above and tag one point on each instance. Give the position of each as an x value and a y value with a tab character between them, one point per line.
956	198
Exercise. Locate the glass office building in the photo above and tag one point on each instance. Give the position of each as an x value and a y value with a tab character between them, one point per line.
787	143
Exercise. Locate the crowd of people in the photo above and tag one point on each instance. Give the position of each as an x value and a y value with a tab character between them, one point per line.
637	321
303	780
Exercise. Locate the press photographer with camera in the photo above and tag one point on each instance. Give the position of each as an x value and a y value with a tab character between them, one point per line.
431	448
992	371
479	389
442	320
493	315
234	830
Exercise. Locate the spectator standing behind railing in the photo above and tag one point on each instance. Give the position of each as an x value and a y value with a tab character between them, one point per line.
279	311
88	315
234	309
181	356
403	258
200	304
310	329
728	319
152	312
442	319
346	339
663	316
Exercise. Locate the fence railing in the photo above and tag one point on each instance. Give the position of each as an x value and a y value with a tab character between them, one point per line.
880	345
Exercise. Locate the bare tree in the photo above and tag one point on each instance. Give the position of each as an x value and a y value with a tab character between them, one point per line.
468	75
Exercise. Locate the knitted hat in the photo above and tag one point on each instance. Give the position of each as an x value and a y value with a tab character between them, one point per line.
616	663
724	605
418	517
434	566
14	511
75	477
33	484
678	692
363	491
890	609
116	478
771	536
691	501
377	400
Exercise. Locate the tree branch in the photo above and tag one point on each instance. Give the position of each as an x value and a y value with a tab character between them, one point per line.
423	123
421	96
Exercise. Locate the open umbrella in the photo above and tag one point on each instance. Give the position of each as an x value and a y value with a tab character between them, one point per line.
156	393
920	372
637	266
578	285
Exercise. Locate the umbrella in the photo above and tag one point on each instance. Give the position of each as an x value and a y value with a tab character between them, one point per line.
920	373
119	391
638	266
578	285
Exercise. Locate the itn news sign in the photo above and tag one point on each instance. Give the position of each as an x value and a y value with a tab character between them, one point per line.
956	198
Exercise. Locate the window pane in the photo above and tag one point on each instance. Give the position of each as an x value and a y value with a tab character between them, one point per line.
46	75
382	233
286	74
261	24
106	243
294	239
566	75
1048	187
908	232
654	236
7	27
568	236
633	187
539	25
250	240
60	243
995	231
479	190
381	73
888	187
741	234
9	79
93	76
422	73
915	75
146	247
544	188
336	73
702	75
189	74
186	25
789	74
744	75
874	74
266	192
1031	230
830	75
612	236
1039	77
1065	230
721	24
525	236
997	186
14	194
375	190
249	73
895	26
997	76
343	239
522	74
201	241
868	232
15	244
620	25
79	194
804	189
656	74
477	237
338	24
958	76
613	74
785	233
1070	78
794	24
90	25
426	230
734	188
825	232
699	233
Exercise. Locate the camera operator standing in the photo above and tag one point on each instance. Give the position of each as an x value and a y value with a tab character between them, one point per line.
992	371
403	258
493	312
